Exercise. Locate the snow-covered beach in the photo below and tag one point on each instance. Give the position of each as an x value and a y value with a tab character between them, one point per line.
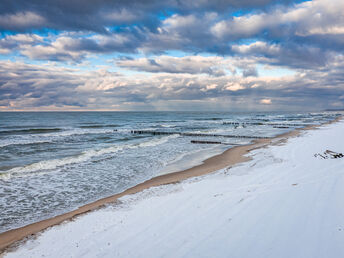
285	202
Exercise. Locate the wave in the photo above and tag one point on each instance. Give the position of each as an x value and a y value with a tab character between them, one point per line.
49	137
163	121
157	141
98	126
207	119
48	165
8	142
30	131
195	128
169	126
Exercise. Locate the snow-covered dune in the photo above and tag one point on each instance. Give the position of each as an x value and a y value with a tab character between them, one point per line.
285	202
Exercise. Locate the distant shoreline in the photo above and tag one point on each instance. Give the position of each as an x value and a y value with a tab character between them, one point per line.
228	158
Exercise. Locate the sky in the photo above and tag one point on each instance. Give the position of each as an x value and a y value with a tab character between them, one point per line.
152	55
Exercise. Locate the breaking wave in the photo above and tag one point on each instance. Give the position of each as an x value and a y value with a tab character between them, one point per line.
49	165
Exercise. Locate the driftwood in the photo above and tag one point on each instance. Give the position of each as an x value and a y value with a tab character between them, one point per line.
328	154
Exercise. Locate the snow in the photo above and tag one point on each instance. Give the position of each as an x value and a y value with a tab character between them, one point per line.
284	203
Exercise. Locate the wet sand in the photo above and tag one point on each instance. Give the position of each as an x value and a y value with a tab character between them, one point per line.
228	158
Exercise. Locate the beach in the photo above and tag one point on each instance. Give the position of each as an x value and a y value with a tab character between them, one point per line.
263	202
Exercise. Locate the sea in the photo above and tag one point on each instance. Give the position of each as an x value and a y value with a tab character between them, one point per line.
54	162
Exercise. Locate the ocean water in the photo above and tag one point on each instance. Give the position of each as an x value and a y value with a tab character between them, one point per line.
54	162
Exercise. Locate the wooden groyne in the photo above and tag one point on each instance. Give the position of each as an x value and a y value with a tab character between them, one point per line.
280	127
197	134
214	142
260	123
205	142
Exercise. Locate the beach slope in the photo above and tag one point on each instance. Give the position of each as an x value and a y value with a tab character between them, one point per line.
287	201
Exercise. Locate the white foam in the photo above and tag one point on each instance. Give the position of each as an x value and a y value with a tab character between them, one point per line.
158	141
48	137
48	165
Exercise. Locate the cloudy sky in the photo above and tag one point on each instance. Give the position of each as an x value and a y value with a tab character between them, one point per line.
220	55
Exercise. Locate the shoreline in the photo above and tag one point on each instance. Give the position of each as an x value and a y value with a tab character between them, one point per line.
228	158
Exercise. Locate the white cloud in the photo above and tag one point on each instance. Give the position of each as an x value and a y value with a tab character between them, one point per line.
301	19
265	101
234	86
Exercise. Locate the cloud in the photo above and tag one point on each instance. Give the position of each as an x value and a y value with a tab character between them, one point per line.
25	86
250	71
284	54
188	33
70	48
88	15
234	86
21	21
299	36
265	101
168	64
13	42
223	44
33	85
300	22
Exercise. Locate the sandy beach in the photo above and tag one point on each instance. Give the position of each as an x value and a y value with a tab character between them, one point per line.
230	158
